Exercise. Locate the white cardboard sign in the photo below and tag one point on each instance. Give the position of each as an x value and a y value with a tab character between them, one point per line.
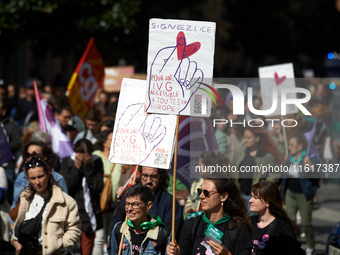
140	138
277	77
180	66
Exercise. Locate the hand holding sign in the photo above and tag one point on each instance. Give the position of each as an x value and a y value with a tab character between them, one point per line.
137	143
177	74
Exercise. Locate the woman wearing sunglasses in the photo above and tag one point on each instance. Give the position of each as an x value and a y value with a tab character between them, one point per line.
144	233
222	229
274	233
60	226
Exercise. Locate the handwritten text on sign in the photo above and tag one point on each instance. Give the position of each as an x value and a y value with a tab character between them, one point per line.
180	63
140	138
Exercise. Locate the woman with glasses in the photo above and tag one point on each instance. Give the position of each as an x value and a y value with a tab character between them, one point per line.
145	233
60	226
209	158
274	232
222	228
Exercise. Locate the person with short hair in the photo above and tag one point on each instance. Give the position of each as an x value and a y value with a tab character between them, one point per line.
145	233
299	187
157	180
93	119
64	115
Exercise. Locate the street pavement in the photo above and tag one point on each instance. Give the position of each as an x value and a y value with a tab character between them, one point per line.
326	213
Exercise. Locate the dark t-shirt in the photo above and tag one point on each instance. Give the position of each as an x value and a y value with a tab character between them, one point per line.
136	240
276	238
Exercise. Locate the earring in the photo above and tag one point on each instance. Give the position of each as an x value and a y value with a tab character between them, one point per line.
222	203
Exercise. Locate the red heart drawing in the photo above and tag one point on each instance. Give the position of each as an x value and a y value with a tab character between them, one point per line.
184	50
278	80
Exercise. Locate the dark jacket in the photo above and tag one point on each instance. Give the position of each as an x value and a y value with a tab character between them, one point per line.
13	134
236	240
309	181
94	178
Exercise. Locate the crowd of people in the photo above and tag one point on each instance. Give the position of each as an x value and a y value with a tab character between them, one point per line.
251	212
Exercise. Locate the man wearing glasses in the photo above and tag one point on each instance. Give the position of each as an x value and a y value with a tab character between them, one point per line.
157	180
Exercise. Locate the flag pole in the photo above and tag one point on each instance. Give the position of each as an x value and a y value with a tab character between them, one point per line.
285	138
42	123
75	73
126	217
174	183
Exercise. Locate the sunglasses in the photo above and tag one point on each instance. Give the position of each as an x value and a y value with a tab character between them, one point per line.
206	193
34	162
32	155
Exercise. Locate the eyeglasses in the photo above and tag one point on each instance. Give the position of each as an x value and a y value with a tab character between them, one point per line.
206	193
32	155
152	177
34	162
134	205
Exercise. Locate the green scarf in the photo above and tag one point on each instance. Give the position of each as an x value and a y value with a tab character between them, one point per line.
225	218
293	160
148	224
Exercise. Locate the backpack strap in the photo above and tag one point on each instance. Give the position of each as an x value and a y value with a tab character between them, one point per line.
118	235
162	239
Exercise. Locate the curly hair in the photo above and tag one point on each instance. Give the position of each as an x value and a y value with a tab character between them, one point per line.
48	156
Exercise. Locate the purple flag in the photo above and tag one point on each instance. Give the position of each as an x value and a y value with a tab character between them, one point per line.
229	95
5	151
311	150
61	144
195	136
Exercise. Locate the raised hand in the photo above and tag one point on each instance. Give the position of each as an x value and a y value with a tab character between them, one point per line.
140	137
173	71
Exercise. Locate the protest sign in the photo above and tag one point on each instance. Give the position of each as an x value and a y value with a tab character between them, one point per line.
140	138
114	76
86	80
273	80
180	67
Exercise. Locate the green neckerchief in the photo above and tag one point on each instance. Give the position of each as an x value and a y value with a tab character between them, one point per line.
148	224
225	218
293	160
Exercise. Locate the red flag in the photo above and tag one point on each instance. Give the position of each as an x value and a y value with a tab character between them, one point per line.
86	80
